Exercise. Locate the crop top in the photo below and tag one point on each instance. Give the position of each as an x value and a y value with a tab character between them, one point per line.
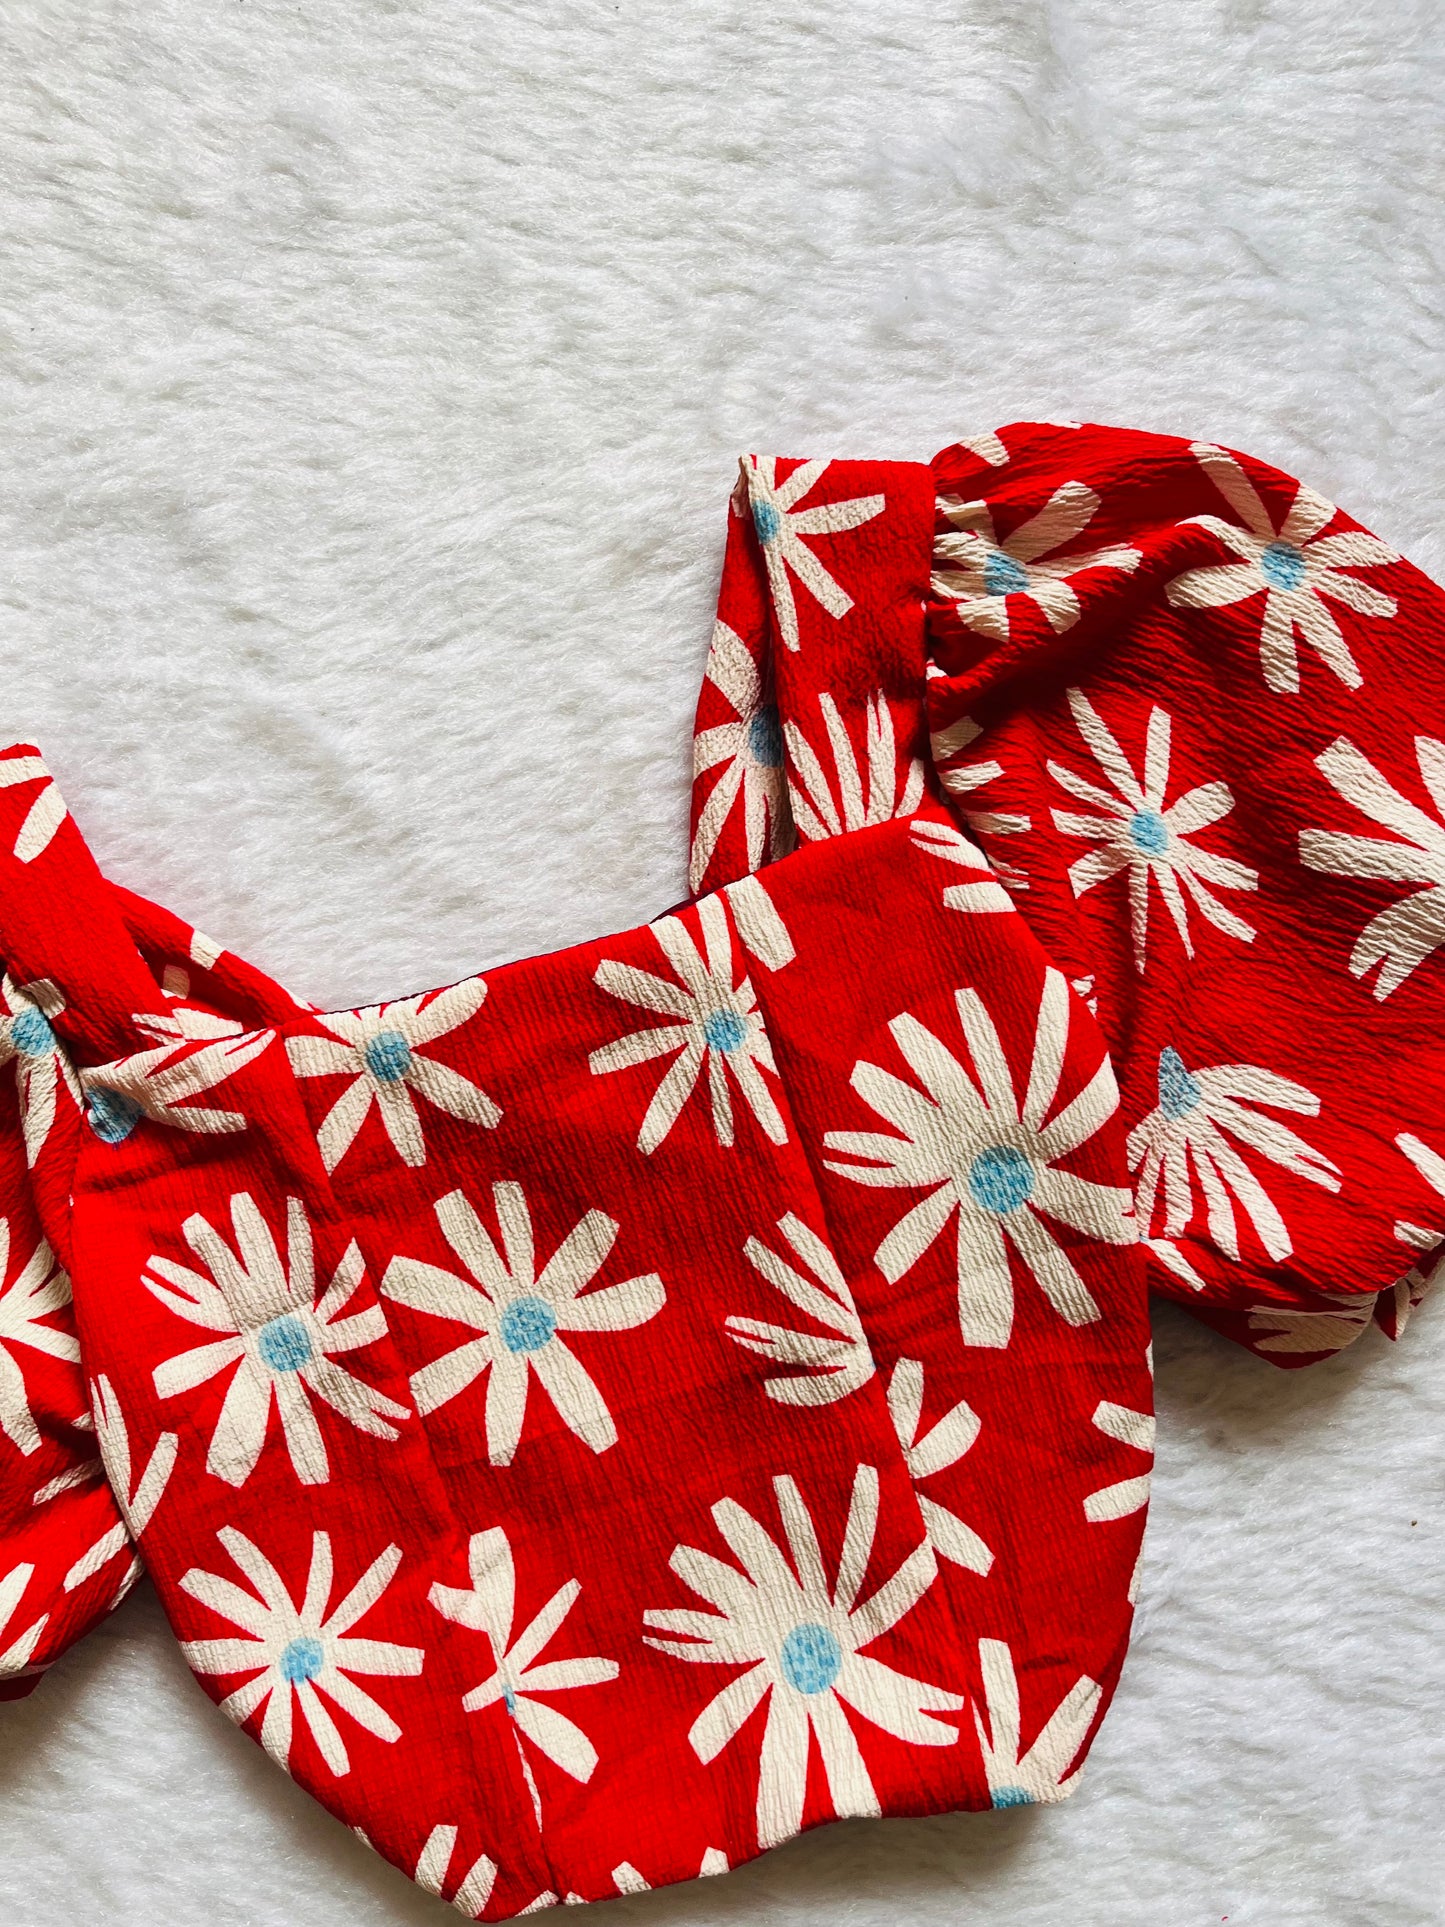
593	1420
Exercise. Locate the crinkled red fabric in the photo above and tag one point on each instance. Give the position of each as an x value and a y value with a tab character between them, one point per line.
591	1422
1192	713
64	1556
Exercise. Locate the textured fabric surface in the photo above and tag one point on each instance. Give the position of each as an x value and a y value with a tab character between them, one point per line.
413	1391
373	388
1118	620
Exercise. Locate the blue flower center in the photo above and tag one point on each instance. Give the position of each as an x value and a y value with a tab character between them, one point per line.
285	1344
509	1698
811	1658
302	1659
1179	1093
1000	1179
111	1114
1003	576
1012	1796
1149	832
528	1324
387	1056
767	522
724	1030
765	738
31	1034
1282	566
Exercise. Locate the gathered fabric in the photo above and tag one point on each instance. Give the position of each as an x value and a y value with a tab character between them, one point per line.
594	1420
1193	713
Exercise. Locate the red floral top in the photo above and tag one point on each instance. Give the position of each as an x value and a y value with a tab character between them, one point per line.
589	1422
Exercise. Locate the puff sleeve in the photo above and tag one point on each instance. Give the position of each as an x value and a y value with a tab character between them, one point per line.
1189	718
1196	715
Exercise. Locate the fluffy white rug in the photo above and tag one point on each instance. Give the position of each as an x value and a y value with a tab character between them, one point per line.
372	376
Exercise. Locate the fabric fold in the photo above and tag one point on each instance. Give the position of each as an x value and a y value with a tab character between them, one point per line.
1185	706
793	744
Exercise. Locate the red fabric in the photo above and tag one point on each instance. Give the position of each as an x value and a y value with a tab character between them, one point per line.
589	1423
1116	621
651	1394
65	1556
65	1559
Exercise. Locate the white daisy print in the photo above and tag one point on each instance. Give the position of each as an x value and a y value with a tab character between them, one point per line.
781	524
136	1507
47	810
628	1880
984	892
27	1035
934	1451
1297	569
296	1650
1400	938
1280	1330
279	1340
15	1657
489	1606
194	1051
709	1020
801	1637
433	1873
978	573
1173	1259
751	751
961	779
1395	1305
1431	1167
1041	1774
519	1313
991	1159
988	447
81	1472
1392	1308
1142	833
823	808
200	950
35	1294
1199	1111
1125	1496
831	1366
204	950
761	931
382	1050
